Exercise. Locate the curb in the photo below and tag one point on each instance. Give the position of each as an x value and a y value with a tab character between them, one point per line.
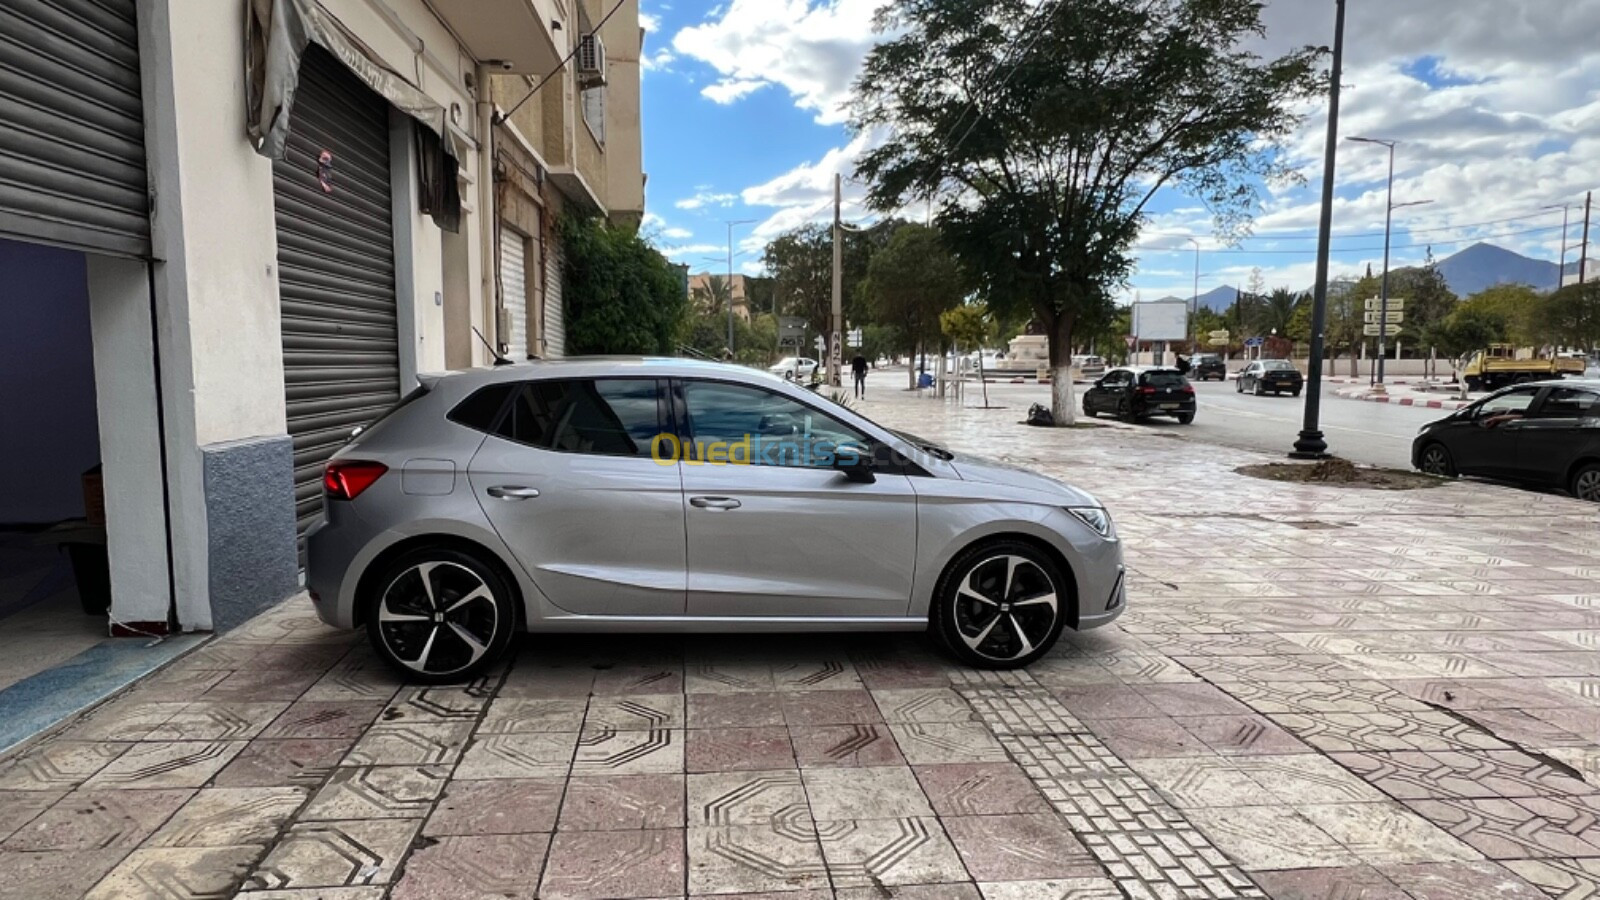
1423	402
1359	380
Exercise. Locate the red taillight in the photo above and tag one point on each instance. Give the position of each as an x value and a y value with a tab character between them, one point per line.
1188	389
346	479
1147	390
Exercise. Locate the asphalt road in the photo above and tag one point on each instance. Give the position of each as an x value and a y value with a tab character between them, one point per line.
1372	433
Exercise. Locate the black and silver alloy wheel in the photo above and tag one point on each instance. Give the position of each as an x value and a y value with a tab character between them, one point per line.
1001	606
1436	461
441	616
1586	484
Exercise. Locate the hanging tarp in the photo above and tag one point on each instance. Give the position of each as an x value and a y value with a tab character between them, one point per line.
276	35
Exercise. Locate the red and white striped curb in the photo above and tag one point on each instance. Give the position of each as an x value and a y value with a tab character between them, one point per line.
1335	380
1394	400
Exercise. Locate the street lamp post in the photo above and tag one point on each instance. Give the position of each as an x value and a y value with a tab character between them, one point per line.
1561	270
1311	445
731	223
1388	218
1194	305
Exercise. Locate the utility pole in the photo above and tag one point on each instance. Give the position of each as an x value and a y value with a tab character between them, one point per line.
837	321
1583	256
1561	270
732	223
1388	220
1311	444
1194	305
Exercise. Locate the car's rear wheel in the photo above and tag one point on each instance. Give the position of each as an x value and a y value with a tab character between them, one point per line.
439	615
1259	390
1125	411
1586	483
1185	418
1436	460
1001	605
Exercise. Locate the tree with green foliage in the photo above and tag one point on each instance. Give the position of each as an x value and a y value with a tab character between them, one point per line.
1569	318
969	326
1042	130
1428	298
1514	305
621	295
800	263
1277	311
1465	330
879	340
910	282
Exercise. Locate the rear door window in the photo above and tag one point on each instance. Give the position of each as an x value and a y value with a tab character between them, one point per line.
1570	403
600	416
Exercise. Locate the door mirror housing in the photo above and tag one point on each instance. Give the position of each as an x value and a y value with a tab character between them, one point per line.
854	466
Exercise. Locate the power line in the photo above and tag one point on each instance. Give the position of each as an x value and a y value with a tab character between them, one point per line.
557	70
1286	236
1379	249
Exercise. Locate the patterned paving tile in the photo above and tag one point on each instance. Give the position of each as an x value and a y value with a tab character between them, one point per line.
1192	700
643	679
1569	879
1513	828
734	710
98	820
519	716
911	850
518	756
262	684
1243	735
712	678
217	721
806	709
818	673
167	764
377	792
746	859
846	745
1306	778
1461	881
230	817
335	854
1018	711
51	874
439	704
1386	833
600	865
1415	775
623	802
497	806
324	719
643	712
1344	883
122	720
1322	697
1106	701
902	707
1019	847
929	743
175	873
1271	837
18	808
733	749
978	789
410	743
1349	732
1149	738
603	751
749	798
505	866
1202	782
294	761
864	793
964	890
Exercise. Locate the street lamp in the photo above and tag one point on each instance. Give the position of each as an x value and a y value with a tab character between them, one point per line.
1561	271
731	223
1311	444
1388	217
1194	311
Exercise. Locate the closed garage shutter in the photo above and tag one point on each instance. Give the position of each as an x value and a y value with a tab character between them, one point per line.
555	327
72	162
514	289
341	352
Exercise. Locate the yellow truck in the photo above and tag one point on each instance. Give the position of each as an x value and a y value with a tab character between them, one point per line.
1503	364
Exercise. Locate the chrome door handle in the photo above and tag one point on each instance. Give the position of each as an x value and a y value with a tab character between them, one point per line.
714	502
513	492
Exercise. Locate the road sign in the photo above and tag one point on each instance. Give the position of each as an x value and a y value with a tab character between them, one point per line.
1218	342
1219	335
1376	303
855	337
791	327
820	344
1255	342
1130	340
1395	317
1389	330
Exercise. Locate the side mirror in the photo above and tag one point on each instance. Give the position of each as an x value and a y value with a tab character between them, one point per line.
1099	382
855	467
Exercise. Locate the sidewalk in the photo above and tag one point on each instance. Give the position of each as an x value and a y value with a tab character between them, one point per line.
1400	394
1315	692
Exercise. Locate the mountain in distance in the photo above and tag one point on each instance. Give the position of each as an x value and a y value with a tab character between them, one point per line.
1218	299
1485	265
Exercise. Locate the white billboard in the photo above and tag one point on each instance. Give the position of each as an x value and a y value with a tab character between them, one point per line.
1161	320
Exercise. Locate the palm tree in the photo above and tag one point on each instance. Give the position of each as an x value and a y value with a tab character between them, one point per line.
1278	311
713	297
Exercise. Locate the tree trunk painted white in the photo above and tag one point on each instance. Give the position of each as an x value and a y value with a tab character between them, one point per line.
1061	401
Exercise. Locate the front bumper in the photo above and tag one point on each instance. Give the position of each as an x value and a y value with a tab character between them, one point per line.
1116	602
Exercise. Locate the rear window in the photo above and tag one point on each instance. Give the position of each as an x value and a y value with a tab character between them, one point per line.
1163	379
481	411
1277	365
602	417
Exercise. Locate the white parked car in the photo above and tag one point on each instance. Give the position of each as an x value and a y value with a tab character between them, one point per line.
794	368
1092	367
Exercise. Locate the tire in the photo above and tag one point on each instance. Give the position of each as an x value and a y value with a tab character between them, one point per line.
972	622
447	628
1585	483
1436	460
1125	411
1474	383
1238	386
1295	394
1185	418
1259	391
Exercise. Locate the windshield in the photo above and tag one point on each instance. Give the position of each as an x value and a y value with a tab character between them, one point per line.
1163	379
1277	365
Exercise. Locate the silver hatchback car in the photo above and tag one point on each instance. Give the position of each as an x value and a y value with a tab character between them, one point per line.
610	494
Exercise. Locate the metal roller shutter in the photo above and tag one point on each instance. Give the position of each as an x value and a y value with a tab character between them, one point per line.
72	160
341	352
514	290
555	327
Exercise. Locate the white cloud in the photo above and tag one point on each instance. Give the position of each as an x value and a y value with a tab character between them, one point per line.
705	198
730	90
659	61
649	21
812	50
694	249
677	234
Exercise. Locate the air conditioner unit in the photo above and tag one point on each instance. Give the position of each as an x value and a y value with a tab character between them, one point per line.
591	61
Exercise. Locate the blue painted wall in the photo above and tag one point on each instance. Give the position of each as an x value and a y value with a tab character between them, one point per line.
48	431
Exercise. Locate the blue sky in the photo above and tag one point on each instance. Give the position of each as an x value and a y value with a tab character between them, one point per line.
1497	112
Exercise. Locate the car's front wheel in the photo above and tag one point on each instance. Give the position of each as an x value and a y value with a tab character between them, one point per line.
439	615
1586	483
1001	605
1436	460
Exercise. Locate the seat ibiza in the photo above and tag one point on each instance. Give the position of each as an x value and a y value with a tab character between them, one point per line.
606	494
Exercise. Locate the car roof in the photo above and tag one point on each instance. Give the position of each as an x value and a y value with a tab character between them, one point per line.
1592	384
598	366
1140	370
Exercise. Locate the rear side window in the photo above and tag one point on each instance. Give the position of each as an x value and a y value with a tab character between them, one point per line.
481	411
605	416
1570	403
1164	379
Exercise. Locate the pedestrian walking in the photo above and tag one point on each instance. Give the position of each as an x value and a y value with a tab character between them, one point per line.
858	370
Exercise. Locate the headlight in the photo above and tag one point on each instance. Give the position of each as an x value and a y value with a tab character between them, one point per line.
1094	517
